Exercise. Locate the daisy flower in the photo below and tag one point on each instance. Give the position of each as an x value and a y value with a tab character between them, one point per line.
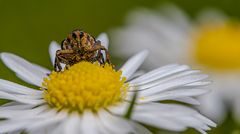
92	99
211	43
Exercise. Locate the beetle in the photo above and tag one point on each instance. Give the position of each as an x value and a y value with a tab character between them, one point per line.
80	46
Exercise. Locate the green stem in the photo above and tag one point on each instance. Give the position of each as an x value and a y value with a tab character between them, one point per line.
131	106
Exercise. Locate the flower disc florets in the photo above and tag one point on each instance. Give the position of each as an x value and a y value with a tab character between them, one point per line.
85	86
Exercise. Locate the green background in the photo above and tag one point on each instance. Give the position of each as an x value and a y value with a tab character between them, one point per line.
27	27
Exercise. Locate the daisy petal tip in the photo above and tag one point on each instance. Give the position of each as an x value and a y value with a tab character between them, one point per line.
54	44
146	51
53	47
5	55
133	63
214	124
103	37
143	53
2	55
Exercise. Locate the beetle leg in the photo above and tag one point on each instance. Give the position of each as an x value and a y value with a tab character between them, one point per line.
62	56
67	66
98	46
57	66
100	57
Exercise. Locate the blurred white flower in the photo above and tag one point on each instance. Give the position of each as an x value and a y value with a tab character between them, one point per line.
210	43
60	108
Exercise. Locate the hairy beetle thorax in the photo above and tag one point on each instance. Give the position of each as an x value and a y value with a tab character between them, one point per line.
78	40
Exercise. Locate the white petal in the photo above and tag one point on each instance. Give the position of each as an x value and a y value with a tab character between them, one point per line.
10	87
16	132
59	128
108	124
164	123
206	120
104	40
120	109
23	68
154	72
53	47
119	125
212	105
171	117
20	123
136	75
174	94
13	125
42	69
69	125
5	112
130	67
182	98
139	129
17	98
72	124
47	130
160	107
177	82
114	124
89	123
194	123
198	84
16	106
39	124
189	100
160	75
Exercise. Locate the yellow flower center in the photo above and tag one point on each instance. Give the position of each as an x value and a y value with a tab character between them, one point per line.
218	46
85	86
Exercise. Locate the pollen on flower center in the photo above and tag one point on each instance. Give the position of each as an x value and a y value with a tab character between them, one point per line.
218	46
85	86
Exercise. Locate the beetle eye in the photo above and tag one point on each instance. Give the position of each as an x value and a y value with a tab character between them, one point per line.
74	35
81	34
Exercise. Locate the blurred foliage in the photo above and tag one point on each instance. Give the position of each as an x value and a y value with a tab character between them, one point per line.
27	27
